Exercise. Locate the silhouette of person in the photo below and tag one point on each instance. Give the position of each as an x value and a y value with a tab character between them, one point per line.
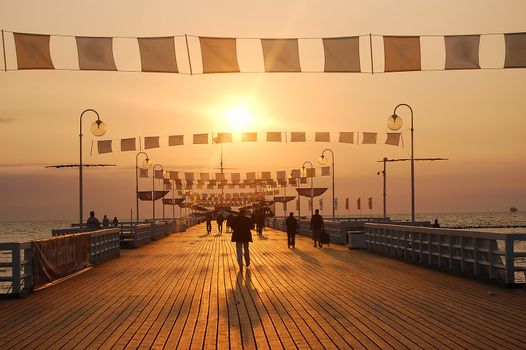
316	226
292	228
241	235
105	220
260	221
115	222
436	224
92	223
208	224
220	220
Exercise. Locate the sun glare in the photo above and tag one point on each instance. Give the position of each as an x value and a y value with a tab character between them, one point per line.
239	118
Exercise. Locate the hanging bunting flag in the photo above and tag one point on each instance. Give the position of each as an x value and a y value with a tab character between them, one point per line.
342	54
281	55
515	50
175	140
151	142
326	171
174	175
219	55
310	204
95	53
128	144
347	203
369	138
346	137
251	176
143	173
370	203
295	173
265	175
297	204
311	172
104	146
235	177
220	177
249	137
393	138
321	204
322	137
462	51
402	53
200	139
297	137
273	136
158	174
223	138
32	51
158	54
204	176
189	176
359	203
335	203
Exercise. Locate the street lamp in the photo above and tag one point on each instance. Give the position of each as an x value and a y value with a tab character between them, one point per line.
323	160
153	190
146	164
311	178
384	173
394	122
98	128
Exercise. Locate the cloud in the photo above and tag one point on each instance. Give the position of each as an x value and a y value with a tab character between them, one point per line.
6	119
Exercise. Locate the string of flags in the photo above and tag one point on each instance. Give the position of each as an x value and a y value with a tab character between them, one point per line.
206	55
152	142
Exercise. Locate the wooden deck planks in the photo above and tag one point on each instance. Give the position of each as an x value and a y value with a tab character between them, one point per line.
186	291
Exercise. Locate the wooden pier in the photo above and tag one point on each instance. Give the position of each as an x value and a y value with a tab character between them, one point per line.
186	291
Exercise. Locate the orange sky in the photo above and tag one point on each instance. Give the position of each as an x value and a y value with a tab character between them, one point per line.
474	118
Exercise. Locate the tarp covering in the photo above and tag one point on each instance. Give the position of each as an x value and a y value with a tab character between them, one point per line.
316	191
283	199
59	257
173	201
147	195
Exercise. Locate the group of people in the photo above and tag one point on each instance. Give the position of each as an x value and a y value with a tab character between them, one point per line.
93	223
317	227
220	219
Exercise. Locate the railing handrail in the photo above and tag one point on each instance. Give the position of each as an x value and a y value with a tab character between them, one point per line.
449	232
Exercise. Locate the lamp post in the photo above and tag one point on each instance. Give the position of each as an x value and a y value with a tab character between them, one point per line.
383	172
323	160
394	122
153	191
311	204
146	163
98	128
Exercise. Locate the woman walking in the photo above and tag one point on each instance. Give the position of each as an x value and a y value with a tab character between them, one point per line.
316	226
292	228
241	235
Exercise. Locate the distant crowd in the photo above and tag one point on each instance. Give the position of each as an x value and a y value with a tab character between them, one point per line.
93	223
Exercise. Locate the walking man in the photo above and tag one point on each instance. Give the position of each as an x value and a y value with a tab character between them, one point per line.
292	228
316	226
208	224
241	235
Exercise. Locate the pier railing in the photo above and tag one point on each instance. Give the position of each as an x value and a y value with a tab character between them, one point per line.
485	255
17	279
105	245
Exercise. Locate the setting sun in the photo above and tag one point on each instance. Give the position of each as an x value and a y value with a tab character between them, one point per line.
239	118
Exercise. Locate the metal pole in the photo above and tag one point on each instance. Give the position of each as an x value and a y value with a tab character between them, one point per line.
81	189
412	162
385	189
137	183
153	191
333	209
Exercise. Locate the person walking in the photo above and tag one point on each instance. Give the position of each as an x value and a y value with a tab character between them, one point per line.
292	228
260	221
242	236
208	224
220	220
316	226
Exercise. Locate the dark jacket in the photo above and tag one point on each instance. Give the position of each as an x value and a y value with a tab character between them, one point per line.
241	226
292	224
316	222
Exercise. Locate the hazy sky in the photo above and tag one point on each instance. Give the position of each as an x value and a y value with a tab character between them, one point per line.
475	118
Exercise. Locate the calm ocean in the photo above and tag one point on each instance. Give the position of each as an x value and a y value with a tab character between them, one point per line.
20	231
